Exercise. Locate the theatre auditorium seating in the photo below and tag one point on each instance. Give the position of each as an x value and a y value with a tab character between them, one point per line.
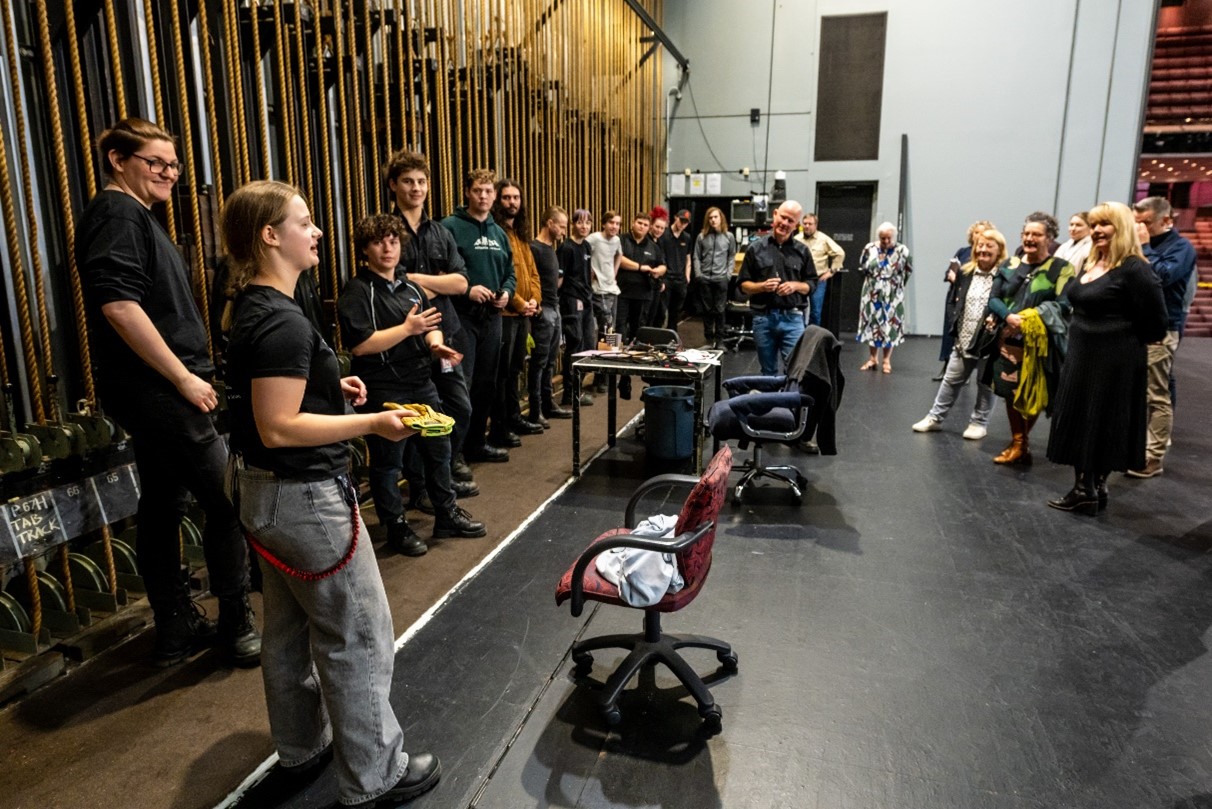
1199	321
1180	88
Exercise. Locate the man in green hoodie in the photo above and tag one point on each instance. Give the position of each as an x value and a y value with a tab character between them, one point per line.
486	252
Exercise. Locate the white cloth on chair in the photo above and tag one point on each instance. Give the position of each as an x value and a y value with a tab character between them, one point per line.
643	577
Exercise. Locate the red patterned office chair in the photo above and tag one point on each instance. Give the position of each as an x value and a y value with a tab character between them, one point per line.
692	544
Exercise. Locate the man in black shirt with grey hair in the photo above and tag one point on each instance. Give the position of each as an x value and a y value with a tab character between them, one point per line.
778	275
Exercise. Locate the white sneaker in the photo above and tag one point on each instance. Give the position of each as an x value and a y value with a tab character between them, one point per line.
927	425
975	432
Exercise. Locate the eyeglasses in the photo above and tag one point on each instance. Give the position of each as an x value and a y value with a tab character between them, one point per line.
158	166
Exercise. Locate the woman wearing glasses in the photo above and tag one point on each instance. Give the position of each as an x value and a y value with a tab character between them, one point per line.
153	371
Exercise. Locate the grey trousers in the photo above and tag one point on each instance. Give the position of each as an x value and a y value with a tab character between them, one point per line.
959	368
328	648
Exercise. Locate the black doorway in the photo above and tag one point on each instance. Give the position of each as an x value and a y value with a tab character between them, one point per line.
844	211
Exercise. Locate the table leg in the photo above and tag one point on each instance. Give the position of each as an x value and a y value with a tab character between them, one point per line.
699	424
612	408
717	370
576	421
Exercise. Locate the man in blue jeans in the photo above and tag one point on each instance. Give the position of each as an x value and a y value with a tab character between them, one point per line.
778	276
827	256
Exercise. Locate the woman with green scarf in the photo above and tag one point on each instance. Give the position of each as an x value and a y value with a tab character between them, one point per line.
1029	305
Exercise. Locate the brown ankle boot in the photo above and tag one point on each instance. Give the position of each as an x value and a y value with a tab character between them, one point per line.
1015	452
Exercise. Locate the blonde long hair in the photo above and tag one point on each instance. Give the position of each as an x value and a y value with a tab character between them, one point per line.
1123	242
723	222
245	214
991	235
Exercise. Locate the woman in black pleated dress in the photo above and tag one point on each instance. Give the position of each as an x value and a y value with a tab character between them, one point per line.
1100	416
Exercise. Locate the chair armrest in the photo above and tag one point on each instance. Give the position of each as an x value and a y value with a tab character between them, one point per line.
644	543
744	384
658	482
757	404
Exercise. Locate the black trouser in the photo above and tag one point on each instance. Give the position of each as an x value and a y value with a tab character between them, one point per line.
178	452
546	330
658	306
677	299
506	408
713	299
456	403
387	457
580	334
632	313
481	354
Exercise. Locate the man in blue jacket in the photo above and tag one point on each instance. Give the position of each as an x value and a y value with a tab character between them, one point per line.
1173	260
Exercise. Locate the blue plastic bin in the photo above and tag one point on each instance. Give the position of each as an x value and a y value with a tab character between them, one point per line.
669	422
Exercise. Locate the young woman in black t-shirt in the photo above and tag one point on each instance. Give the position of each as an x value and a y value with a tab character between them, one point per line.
325	609
153	371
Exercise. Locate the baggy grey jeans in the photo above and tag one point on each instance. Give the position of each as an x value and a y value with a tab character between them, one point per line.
959	368
328	647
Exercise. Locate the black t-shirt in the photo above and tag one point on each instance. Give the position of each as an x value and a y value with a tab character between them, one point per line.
674	250
549	271
124	255
432	251
577	271
638	285
369	304
271	337
789	261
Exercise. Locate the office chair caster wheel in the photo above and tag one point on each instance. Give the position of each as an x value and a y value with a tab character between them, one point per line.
612	715
727	659
713	719
583	662
736	495
801	481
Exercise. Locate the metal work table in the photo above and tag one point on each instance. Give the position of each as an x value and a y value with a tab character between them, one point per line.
673	371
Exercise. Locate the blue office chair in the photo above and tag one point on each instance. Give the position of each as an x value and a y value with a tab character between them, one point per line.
783	409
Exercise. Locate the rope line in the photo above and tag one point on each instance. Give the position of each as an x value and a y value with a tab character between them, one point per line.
153	54
115	57
195	211
24	313
65	195
208	89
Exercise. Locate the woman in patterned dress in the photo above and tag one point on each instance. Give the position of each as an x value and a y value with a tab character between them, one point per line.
885	265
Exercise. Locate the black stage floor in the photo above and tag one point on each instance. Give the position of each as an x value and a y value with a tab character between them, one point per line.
922	632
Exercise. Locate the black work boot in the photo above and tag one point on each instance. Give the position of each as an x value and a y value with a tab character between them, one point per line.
459	470
457	523
463	489
181	631
402	539
421	502
238	636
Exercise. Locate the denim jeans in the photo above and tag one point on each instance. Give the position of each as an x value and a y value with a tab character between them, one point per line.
816	303
178	453
580	334
546	331
775	333
604	306
959	368
328	648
